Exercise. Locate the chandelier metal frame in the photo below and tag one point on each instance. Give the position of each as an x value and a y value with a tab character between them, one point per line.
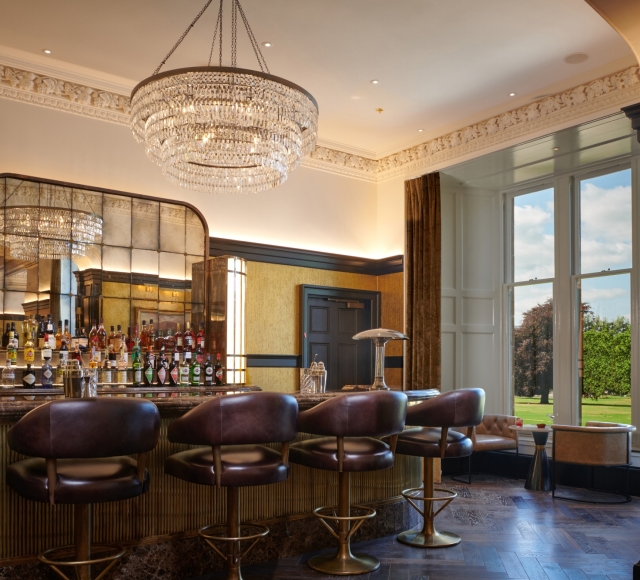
224	129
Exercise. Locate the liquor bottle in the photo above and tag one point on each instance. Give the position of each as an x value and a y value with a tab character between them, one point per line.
137	367
26	329
200	337
83	341
28	378
64	351
29	351
219	371
93	336
66	335
77	355
178	339
208	372
51	333
9	375
5	336
109	367
122	367
102	336
174	370
200	355
120	338
135	349
194	373
144	336
184	369
158	342
47	370
111	341
94	361
169	341
129	342
12	346
152	333
14	332
59	380
41	333
58	335
189	339
162	368
148	370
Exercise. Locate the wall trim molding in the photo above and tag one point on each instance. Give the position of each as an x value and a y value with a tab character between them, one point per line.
255	252
590	99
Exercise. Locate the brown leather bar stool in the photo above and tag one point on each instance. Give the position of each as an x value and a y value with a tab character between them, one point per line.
234	428
433	438
349	423
79	452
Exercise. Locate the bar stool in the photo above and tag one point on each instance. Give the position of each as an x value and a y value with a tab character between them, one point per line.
79	450
234	428
349	423
463	408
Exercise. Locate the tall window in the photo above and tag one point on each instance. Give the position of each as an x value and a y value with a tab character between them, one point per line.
529	275
603	297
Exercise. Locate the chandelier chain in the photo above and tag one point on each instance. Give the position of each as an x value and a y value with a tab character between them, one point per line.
254	43
177	44
234	33
215	33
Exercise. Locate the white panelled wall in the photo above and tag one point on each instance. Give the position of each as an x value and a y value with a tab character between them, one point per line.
471	292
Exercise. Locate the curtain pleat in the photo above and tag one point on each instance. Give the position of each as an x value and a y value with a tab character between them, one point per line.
422	271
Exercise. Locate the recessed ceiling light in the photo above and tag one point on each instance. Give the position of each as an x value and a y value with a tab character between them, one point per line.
576	58
420	130
375	82
556	148
266	44
379	110
512	94
46	51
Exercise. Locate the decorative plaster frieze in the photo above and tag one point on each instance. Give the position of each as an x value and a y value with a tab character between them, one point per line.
621	88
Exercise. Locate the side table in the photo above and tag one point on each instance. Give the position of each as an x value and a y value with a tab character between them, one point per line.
539	476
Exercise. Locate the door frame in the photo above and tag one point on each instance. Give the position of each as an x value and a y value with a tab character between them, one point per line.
308	291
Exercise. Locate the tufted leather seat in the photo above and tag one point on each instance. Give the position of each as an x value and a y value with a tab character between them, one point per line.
235	429
242	465
79	452
434	437
347	425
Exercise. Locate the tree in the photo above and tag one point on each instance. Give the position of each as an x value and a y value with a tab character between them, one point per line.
533	352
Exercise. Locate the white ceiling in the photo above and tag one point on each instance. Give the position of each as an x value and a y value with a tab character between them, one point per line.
439	62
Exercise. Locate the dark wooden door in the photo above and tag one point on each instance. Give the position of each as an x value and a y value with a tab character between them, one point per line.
331	320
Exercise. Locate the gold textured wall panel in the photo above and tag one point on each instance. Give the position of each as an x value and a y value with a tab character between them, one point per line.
277	380
173	506
391	287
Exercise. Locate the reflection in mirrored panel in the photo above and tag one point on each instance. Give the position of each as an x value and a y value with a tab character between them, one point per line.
144	287
172	228
145	226
195	234
117	220
116	259
172	266
145	262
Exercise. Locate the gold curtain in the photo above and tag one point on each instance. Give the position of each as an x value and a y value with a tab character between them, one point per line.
422	271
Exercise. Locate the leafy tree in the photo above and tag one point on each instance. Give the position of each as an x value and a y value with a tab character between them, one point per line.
533	352
607	356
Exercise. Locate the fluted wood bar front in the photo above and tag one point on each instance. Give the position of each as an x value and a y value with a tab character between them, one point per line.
176	508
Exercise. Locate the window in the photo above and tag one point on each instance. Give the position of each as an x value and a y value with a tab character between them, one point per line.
529	276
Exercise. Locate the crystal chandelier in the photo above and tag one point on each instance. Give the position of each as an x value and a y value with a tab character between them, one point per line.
224	129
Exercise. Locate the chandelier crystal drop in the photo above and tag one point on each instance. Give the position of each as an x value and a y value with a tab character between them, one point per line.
224	129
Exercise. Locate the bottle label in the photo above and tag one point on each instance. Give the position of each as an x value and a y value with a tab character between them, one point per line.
162	375
196	371
152	360
29	354
75	342
179	341
64	355
29	379
47	374
188	341
184	374
137	376
12	355
46	353
98	356
52	341
148	374
219	374
174	374
208	371
107	377
83	342
122	376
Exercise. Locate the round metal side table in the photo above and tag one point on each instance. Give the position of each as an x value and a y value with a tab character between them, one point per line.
539	476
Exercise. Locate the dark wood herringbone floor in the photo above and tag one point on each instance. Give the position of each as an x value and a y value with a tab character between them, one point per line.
507	533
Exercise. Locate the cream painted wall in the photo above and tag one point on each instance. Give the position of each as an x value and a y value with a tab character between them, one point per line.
313	210
390	240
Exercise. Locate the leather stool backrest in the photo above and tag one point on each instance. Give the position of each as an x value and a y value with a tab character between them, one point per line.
87	428
463	408
371	414
252	418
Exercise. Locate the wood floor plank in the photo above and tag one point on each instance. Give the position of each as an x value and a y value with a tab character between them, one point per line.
512	565
532	568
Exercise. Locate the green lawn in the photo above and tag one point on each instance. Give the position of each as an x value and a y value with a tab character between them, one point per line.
611	409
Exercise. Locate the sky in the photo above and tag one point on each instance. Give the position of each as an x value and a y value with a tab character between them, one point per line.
605	244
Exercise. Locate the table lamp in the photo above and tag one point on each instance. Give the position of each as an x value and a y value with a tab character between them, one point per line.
380	337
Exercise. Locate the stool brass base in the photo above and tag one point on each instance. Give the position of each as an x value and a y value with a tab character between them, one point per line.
435	539
350	565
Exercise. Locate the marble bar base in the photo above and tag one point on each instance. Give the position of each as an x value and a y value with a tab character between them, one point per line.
189	557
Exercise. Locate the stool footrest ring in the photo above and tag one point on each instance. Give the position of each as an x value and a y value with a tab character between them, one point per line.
44	557
208	533
410	496
369	513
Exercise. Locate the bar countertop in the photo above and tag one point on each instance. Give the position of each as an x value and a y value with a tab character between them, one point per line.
11	411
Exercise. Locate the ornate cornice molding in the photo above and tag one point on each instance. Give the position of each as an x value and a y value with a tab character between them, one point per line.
602	94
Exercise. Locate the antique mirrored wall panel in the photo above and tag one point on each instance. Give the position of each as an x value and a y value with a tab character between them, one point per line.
82	255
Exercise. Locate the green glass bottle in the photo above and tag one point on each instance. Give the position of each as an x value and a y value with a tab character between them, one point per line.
194	373
137	367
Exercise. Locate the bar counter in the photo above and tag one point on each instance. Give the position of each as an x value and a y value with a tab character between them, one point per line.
173	510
